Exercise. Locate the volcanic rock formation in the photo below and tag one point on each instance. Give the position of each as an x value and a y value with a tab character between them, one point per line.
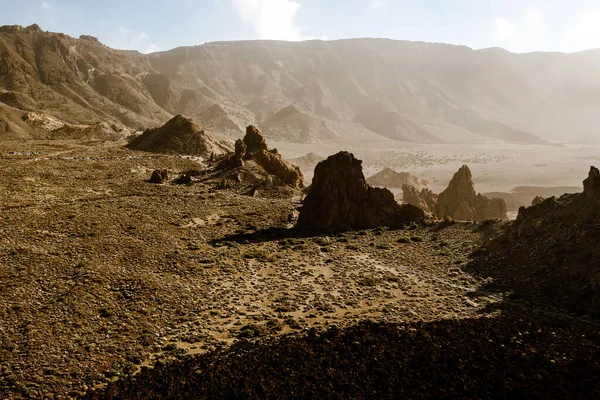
256	149
253	155
461	201
551	254
591	185
426	200
180	135
340	199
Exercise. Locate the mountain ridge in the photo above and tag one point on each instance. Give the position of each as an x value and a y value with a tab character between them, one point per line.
312	91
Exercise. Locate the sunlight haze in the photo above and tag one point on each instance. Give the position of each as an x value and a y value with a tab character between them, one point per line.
148	26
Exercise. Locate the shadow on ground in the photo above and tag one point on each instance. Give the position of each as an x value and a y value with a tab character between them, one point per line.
471	358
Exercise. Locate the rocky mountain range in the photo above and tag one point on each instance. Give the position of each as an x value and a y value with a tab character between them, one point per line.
309	91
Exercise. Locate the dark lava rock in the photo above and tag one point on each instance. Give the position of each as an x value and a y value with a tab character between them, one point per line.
482	358
340	199
159	176
254	149
183	179
254	141
271	160
240	152
461	201
591	185
551	253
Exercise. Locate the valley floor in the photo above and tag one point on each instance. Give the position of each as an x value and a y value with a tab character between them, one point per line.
496	167
102	272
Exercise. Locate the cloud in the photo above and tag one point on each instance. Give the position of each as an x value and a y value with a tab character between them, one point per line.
505	28
377	4
271	19
526	33
584	35
127	39
45	6
151	49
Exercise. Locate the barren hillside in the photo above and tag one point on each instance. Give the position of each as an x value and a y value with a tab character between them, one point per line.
310	91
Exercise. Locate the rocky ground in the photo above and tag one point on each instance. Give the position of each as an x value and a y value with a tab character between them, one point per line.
102	272
485	358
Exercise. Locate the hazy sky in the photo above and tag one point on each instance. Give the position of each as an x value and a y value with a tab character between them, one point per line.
517	25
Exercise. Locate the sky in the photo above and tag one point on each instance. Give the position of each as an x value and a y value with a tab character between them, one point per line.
517	25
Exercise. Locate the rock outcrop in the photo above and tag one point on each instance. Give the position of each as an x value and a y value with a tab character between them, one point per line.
591	185
340	199
461	201
180	135
256	149
253	153
390	178
550	252
254	141
426	200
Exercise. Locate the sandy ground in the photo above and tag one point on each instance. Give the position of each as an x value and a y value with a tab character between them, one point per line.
102	272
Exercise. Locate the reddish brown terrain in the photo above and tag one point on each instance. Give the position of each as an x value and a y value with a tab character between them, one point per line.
148	254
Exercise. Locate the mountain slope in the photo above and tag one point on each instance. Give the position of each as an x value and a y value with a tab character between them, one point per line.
309	91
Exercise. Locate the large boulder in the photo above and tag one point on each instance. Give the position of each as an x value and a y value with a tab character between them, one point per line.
340	199
461	189
461	201
275	165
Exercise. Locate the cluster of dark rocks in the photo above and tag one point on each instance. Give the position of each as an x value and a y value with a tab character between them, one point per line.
550	254
449	359
253	148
